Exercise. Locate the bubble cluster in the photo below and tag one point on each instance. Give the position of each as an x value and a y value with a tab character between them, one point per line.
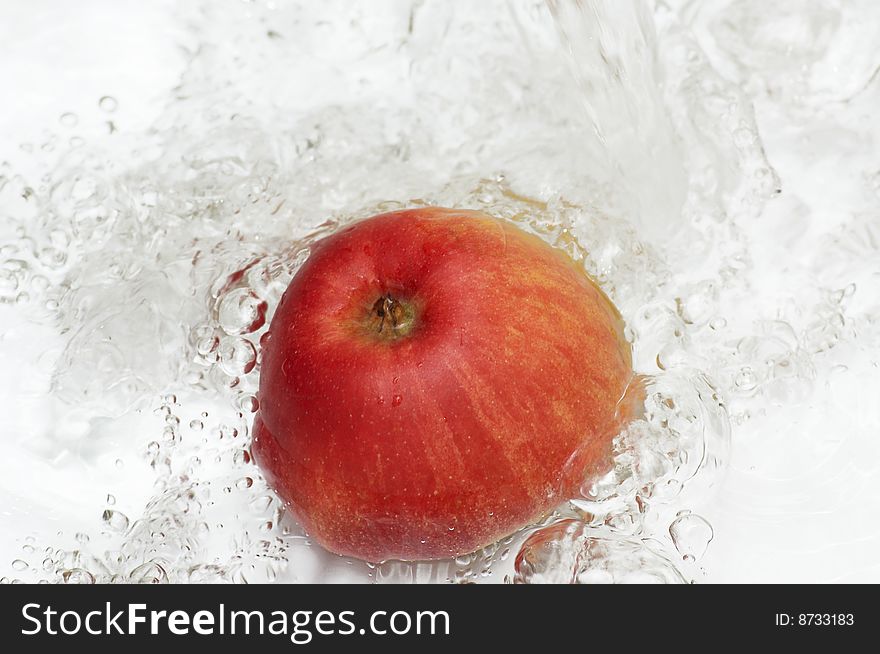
567	553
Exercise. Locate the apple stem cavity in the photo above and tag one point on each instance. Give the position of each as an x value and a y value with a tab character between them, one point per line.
391	318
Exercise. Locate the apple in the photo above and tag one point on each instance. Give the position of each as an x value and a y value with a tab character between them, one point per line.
432	381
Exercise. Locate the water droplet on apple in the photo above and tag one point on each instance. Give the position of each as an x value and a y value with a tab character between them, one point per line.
287	368
396	400
380	400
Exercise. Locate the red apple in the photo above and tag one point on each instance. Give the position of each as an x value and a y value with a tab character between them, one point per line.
432	381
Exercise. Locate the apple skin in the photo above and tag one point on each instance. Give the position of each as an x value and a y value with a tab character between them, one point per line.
479	418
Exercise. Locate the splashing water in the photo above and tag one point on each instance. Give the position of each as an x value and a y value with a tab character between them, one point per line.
711	164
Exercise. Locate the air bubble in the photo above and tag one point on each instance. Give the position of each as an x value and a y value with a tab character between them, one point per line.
77	576
746	380
148	573
237	356
691	535
68	119
242	312
115	520
244	483
39	283
108	104
207	345
248	404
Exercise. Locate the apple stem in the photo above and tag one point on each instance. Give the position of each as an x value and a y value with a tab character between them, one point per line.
391	317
